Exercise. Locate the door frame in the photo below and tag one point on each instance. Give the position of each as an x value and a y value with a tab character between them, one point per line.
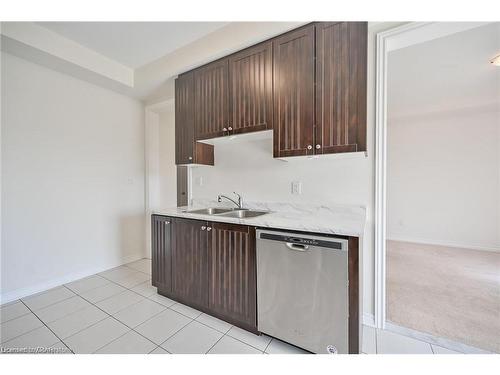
152	164
387	41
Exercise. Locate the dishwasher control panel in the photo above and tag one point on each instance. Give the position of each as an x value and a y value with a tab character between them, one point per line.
338	244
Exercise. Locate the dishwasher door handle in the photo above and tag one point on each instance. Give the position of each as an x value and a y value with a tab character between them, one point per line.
297	247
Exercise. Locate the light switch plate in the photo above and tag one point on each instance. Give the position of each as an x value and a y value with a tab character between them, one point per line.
199	181
296	187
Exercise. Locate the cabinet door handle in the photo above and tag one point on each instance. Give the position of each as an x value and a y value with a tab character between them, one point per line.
167	222
230	128
203	227
309	147
209	229
318	147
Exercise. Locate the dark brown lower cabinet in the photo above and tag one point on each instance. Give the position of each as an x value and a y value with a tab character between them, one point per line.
208	266
161	237
232	274
190	262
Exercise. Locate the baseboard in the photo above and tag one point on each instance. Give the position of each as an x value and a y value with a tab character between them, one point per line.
425	241
431	339
369	320
24	292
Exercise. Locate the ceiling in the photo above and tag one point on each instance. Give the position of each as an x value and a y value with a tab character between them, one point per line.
445	74
133	44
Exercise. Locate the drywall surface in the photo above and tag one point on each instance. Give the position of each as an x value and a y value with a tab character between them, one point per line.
73	178
443	145
168	170
443	184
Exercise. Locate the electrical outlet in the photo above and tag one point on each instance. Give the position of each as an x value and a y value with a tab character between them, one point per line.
296	187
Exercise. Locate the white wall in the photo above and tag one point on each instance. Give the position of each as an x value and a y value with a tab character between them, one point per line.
168	170
73	178
443	179
443	141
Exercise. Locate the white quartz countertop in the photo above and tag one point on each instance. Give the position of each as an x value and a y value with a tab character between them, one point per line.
331	219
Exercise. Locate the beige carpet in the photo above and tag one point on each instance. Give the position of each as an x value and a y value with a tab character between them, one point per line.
448	292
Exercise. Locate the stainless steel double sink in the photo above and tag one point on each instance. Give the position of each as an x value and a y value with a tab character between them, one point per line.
239	213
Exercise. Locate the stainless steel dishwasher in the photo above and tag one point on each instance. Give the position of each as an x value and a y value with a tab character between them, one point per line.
302	290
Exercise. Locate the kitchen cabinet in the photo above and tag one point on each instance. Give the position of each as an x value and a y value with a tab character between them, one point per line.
320	92
232	274
212	267
341	58
211	104
187	150
207	265
161	254
294	93
250	89
182	186
189	270
308	85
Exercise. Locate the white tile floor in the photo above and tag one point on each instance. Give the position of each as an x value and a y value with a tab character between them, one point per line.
118	311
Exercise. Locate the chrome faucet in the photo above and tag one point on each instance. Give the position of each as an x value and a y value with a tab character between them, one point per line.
238	203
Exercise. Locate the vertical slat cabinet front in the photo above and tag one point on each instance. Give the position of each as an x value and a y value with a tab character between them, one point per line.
341	64
211	100
190	262
161	229
250	88
184	119
232	274
294	93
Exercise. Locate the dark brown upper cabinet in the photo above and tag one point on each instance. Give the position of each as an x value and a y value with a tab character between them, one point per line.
341	63
232	274
294	93
187	150
308	85
250	89
161	243
190	262
211	104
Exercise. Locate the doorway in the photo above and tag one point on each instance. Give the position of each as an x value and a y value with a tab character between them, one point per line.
439	175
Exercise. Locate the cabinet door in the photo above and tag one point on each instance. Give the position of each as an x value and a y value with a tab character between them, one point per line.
190	262
184	119
232	274
187	150
161	252
341	65
211	100
294	93
250	89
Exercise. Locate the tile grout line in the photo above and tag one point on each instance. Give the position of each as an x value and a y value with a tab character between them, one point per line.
208	351
226	334
64	299
184	326
47	328
133	329
267	346
111	316
20	316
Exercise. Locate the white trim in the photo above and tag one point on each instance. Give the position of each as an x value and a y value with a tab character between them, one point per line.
427	241
434	340
369	320
390	40
42	287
